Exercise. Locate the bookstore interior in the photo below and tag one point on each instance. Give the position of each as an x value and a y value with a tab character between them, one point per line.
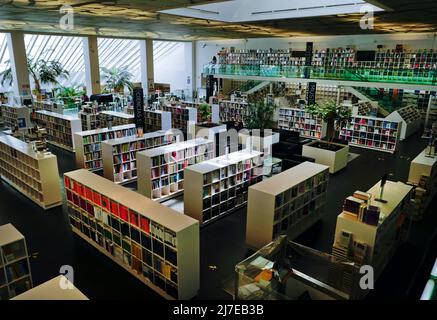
277	150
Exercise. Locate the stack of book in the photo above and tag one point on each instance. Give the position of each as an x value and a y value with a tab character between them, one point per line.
354	207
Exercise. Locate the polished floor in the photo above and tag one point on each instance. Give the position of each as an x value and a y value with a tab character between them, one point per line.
52	244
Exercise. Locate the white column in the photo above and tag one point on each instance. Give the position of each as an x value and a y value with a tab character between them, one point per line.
92	67
147	71
190	65
18	62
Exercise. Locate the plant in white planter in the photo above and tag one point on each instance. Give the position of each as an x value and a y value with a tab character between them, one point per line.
334	155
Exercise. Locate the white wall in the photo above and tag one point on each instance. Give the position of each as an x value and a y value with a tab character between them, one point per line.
205	50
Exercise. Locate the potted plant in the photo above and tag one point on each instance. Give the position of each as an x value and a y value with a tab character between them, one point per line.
327	151
117	79
206	128
204	110
41	71
69	95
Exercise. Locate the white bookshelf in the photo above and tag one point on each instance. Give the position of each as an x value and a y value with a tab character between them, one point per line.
219	186
89	144
49	106
410	118
301	121
287	203
118	118
58	288
34	174
231	111
154	243
15	273
11	114
383	239
119	155
372	133
183	118
214	109
60	128
161	170
155	120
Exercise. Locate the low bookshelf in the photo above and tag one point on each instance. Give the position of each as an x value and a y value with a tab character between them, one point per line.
213	109
155	120
118	118
15	274
154	243
372	133
89	144
12	114
34	174
288	203
89	116
219	186
161	170
308	125
60	128
119	155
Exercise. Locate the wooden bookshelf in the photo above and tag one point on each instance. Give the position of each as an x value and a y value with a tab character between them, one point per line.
182	118
15	274
52	290
155	120
381	240
89	144
299	120
118	118
161	170
372	133
11	114
288	203
34	174
233	111
60	128
409	117
154	243
119	155
219	186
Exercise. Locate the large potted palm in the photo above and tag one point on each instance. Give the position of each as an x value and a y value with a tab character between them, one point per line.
117	79
328	152
259	124
69	95
41	71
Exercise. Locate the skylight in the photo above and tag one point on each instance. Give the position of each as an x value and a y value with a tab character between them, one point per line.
259	10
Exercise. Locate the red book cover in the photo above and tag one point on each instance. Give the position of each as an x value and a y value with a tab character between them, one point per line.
145	225
96	198
133	218
67	182
88	193
78	188
69	196
124	213
106	204
114	208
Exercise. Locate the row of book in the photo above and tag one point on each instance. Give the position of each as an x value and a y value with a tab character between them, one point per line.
375	123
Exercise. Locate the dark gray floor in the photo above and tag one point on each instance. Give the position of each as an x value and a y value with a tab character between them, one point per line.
223	242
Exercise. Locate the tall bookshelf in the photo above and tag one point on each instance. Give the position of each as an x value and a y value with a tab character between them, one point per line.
288	203
375	244
155	120
11	114
15	273
60	128
154	243
372	133
89	144
219	186
409	117
118	118
183	118
34	174
308	125
161	170
119	155
233	111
